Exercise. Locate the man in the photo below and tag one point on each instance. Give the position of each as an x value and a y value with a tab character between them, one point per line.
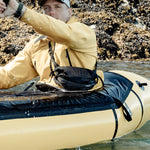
58	27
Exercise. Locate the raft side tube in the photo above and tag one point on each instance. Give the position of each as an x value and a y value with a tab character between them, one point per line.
143	93
57	132
124	126
74	122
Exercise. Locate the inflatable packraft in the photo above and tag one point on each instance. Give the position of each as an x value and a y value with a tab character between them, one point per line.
50	120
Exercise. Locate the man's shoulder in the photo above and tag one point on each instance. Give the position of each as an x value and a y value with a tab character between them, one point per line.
75	22
36	43
73	19
39	38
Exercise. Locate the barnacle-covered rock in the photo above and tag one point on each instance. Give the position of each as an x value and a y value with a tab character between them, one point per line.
122	28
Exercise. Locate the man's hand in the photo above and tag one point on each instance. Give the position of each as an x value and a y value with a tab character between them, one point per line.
9	10
2	6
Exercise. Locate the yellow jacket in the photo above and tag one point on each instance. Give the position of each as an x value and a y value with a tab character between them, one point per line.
34	59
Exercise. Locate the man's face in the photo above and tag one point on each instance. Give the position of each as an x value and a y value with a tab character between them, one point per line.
57	10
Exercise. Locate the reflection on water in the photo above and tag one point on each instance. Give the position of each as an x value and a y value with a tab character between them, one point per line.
140	68
138	140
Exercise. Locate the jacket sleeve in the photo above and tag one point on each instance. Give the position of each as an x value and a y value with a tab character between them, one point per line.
17	71
75	34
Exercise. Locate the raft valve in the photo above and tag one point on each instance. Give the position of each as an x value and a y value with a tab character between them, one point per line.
141	85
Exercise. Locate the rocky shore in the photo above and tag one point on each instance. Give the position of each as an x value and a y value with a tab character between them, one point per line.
122	28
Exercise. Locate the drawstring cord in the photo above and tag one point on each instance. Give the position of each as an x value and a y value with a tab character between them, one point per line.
52	60
51	53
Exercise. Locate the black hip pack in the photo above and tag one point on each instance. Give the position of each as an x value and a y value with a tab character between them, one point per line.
72	78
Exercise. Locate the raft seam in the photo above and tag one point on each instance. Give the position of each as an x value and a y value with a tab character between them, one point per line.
116	124
142	108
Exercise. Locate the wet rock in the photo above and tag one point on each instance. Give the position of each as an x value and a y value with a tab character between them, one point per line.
132	39
122	28
105	42
135	56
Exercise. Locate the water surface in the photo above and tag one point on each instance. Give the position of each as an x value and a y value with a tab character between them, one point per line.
141	68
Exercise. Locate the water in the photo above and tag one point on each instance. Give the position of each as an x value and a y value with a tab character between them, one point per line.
141	68
138	140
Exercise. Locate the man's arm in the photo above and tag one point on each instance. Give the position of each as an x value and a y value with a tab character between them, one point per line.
76	35
17	71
